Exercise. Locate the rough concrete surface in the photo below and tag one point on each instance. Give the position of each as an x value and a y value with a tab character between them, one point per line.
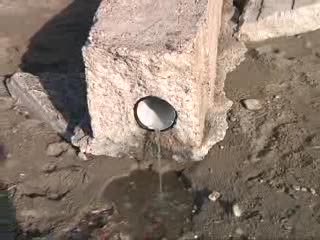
57	105
163	48
264	19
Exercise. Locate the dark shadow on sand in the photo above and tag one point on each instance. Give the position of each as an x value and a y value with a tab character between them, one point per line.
56	48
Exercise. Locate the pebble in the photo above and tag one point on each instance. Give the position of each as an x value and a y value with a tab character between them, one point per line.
221	147
49	168
3	89
53	196
313	191
297	188
82	156
56	149
233	119
276	97
304	189
214	196
252	104
236	210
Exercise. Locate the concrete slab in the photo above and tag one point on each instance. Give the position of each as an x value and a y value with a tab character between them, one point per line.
162	48
264	19
54	98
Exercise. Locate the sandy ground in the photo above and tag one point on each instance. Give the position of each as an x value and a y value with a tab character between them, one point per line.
267	169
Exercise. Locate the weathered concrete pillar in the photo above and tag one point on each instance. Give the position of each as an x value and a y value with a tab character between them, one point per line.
162	48
264	19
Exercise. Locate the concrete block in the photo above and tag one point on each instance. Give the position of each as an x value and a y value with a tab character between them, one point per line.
28	91
162	48
52	97
264	19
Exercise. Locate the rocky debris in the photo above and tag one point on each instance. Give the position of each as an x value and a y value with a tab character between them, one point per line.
49	168
237	212
30	92
56	149
214	196
83	156
22	110
3	88
266	19
252	104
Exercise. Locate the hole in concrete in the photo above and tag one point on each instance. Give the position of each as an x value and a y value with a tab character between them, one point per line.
153	113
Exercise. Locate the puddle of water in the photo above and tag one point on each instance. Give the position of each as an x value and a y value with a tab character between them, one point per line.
136	198
7	221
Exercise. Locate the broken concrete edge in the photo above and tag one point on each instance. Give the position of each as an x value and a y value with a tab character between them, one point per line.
4	92
28	91
231	53
290	22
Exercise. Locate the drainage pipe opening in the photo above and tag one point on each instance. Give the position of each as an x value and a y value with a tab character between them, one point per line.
153	113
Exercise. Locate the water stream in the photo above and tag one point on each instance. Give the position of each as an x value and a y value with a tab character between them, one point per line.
157	132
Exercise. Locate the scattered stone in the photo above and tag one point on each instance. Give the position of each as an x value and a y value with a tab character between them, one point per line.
262	20
53	196
56	149
82	156
29	91
304	189
297	188
313	191
252	104
49	168
233	119
3	89
214	196
276	97
236	210
221	147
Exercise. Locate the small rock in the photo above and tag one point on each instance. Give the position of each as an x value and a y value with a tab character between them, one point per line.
304	189
252	104
56	149
313	191
49	168
53	196
276	97
221	147
236	210
214	196
232	119
14	130
82	156
296	188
